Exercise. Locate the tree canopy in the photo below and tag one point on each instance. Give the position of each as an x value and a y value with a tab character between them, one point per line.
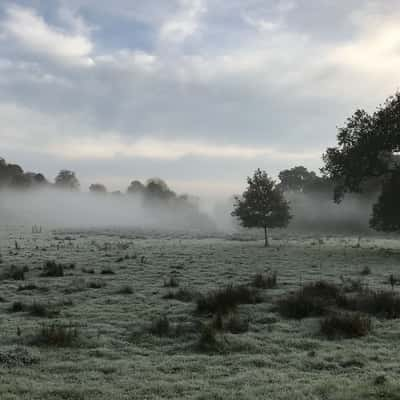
367	156
262	204
67	180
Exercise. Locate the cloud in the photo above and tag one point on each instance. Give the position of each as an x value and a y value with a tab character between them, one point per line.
35	35
259	83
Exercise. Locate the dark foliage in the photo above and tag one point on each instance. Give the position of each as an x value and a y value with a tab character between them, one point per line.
265	281
56	335
345	325
262	205
227	299
52	269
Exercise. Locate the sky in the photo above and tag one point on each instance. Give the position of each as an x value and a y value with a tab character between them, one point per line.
197	92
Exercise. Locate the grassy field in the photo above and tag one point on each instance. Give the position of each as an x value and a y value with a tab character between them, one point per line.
123	321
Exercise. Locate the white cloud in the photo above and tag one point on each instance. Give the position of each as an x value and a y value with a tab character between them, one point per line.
35	35
185	22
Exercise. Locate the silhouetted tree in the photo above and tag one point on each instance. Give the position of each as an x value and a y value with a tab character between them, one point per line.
296	179
386	215
262	205
67	180
136	187
156	188
97	188
367	153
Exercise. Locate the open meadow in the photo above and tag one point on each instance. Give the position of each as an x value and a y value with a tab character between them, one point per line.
114	314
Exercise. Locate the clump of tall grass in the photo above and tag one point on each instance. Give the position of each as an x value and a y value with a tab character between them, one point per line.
227	299
311	300
57	335
265	281
345	325
52	269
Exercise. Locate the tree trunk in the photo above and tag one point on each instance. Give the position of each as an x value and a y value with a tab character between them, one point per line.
266	243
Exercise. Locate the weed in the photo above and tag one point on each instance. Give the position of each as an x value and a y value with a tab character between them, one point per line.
345	325
265	281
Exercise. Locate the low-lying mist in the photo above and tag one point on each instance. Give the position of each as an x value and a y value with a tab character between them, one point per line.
57	208
67	209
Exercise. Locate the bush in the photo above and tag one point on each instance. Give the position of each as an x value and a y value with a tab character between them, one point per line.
236	325
171	282
301	305
381	304
311	300
29	286
160	326
226	299
17	306
366	271
125	290
321	289
345	325
98	284
265	281
52	269
15	273
43	310
56	335
107	271
207	341
184	295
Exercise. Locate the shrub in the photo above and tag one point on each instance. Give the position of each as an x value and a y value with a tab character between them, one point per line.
107	271
207	341
381	304
322	290
301	305
311	300
29	286
345	325
42	310
56	335
226	299
52	269
15	273
183	294
265	281
171	282
17	306
98	284
126	289
366	271
160	326
236	325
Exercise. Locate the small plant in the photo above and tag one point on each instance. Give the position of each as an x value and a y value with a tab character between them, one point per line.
171	282
97	284
42	310
126	289
184	294
107	271
16	273
88	270
227	299
236	325
28	286
366	271
56	335
17	306
52	269
383	304
160	326
265	281
207	341
311	300
345	325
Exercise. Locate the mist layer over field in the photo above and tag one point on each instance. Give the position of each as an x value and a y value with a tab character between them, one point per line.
59	209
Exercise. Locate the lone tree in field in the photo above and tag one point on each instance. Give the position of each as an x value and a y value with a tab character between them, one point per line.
67	180
262	205
368	151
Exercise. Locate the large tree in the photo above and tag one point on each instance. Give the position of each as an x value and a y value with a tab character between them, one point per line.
67	180
262	205
367	157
